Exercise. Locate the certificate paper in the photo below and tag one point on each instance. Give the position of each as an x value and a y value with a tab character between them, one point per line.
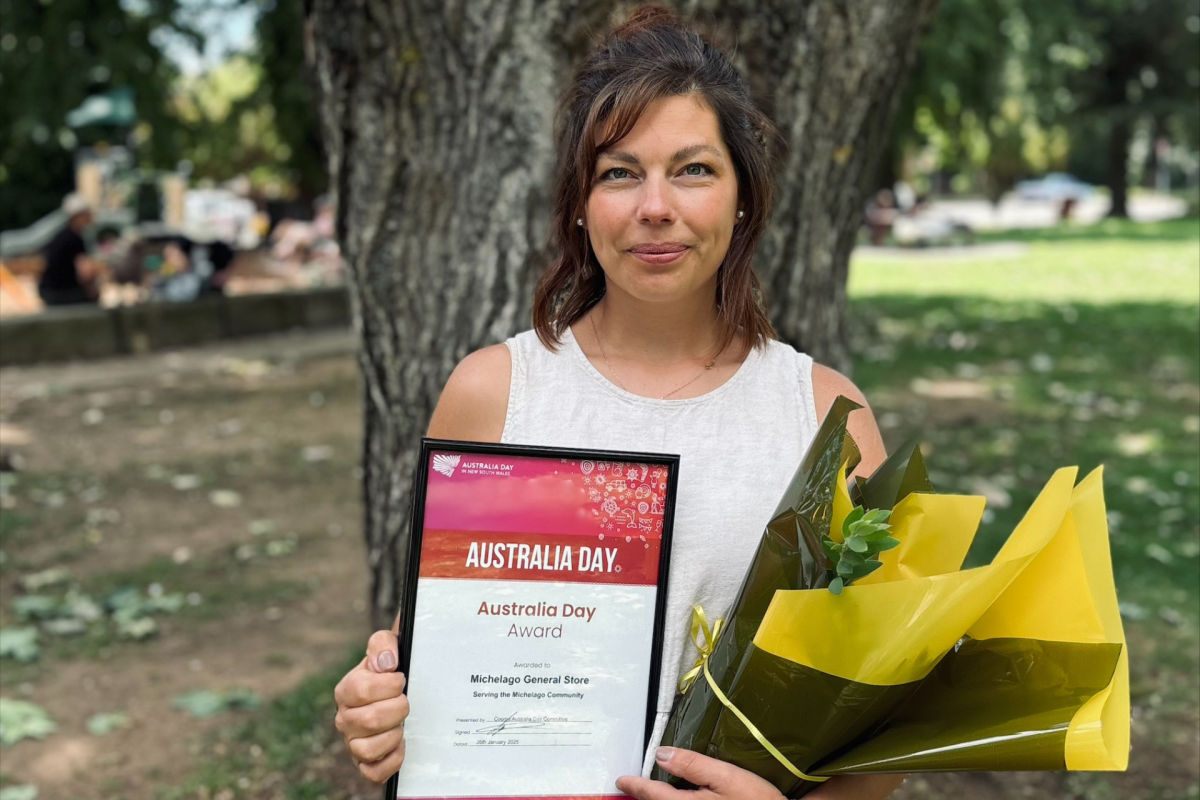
533	620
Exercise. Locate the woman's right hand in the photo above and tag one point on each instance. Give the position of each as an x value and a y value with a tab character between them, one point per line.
372	708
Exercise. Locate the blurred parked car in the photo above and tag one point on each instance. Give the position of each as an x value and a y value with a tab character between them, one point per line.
1055	186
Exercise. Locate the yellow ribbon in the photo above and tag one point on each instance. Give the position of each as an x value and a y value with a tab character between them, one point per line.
705	648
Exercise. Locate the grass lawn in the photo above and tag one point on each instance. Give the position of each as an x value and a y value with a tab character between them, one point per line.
1113	262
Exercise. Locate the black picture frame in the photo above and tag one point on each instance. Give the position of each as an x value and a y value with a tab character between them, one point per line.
417	525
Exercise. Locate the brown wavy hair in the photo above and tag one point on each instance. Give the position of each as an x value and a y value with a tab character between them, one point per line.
654	54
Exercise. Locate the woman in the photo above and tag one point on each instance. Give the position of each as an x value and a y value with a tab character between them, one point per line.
649	334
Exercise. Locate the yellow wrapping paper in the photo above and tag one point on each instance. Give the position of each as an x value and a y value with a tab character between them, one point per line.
1052	582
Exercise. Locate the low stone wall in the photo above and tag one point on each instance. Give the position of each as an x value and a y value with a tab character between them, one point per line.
65	334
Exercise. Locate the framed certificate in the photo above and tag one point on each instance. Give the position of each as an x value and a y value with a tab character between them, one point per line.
531	629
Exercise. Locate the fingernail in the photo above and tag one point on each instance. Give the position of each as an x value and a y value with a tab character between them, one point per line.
664	754
385	661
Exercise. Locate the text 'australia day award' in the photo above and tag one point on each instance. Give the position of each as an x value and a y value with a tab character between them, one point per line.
532	619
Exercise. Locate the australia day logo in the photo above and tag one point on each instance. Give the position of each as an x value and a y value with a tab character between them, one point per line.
446	464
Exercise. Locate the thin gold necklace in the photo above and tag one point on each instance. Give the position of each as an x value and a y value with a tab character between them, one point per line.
612	372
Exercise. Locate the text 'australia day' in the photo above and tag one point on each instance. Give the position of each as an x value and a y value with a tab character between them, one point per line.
509	555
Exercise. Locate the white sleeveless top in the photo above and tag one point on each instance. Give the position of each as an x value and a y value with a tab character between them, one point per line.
739	446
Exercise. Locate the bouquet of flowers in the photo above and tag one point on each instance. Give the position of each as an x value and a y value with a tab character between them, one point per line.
857	644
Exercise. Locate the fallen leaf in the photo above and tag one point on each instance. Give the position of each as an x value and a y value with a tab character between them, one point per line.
68	626
1159	553
50	499
25	791
1138	485
19	643
1132	611
35	606
1041	362
281	547
230	427
102	516
225	498
165	603
37	581
103	724
1138	444
156	472
206	703
997	496
186	483
23	720
136	628
244	367
200	704
951	389
1172	616
317	452
260	527
81	606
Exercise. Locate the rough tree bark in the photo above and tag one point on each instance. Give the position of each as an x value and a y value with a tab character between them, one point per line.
831	74
437	122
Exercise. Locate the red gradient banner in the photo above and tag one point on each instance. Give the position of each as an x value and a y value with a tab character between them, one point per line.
529	518
527	494
619	558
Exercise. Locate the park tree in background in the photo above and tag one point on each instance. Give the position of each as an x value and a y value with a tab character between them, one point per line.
1142	64
52	56
1009	89
438	121
287	87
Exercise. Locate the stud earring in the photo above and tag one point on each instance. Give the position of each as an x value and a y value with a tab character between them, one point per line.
579	222
741	213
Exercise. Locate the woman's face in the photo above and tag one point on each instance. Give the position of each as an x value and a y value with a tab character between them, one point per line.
663	203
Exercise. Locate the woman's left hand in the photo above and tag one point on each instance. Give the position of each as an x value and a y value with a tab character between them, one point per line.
715	779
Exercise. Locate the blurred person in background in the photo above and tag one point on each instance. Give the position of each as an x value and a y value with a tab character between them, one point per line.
179	280
70	276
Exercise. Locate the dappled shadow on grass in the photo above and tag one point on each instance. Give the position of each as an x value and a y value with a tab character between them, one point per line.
1174	230
1000	394
1004	393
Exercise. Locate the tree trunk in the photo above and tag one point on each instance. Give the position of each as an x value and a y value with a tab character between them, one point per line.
437	121
831	74
1118	167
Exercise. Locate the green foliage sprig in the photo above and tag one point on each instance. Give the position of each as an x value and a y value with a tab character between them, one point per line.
864	537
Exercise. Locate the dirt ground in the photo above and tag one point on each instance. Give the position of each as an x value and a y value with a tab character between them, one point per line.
101	449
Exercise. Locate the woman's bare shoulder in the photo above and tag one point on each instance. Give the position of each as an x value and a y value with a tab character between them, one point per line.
474	402
828	383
